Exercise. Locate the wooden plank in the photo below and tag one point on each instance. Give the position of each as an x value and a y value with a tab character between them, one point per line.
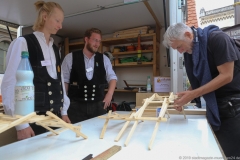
152	13
133	29
121	38
108	153
137	31
127	35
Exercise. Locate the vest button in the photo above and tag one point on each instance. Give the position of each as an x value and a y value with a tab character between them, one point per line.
85	95
50	93
49	83
51	102
93	95
61	108
92	98
60	92
62	100
85	91
94	86
93	90
85	86
60	83
85	99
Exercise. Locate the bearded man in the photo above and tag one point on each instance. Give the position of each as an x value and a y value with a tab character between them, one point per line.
86	73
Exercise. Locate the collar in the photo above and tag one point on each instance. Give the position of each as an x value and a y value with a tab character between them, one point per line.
41	35
87	56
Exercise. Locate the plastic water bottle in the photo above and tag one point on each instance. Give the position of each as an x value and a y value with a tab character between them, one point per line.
148	84
24	88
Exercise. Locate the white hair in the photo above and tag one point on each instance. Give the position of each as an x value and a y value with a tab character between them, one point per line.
175	32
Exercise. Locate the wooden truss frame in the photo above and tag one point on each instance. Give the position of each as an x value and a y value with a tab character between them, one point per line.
51	120
137	116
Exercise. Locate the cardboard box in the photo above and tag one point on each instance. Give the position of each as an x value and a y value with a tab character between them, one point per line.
162	84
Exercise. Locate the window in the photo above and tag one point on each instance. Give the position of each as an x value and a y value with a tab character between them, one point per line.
3	52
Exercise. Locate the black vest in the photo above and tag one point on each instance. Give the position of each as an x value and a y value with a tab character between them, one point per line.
82	89
48	91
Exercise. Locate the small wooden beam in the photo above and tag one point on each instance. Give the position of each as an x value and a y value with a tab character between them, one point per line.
105	125
108	153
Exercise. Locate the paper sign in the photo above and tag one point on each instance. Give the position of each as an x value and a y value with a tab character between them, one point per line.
46	63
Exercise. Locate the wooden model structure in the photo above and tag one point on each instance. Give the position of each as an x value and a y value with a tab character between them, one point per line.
51	120
137	116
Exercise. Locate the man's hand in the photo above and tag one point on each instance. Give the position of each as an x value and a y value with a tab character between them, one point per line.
66	119
25	133
183	98
107	100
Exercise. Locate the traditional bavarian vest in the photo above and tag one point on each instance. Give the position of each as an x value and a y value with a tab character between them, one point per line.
82	89
48	91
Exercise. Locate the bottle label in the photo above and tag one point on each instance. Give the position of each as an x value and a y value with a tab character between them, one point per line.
24	93
148	87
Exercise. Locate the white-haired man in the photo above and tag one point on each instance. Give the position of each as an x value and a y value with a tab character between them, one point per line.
212	62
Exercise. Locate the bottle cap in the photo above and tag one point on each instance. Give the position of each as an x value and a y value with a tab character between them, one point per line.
25	54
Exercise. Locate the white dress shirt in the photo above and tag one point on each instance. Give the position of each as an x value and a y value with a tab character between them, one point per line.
67	67
13	59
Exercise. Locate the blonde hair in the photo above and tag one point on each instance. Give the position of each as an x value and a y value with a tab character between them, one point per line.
42	7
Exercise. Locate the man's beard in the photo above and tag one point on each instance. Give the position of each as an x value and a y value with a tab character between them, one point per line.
90	49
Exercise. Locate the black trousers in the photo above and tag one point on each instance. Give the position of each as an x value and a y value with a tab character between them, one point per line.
80	111
39	129
229	136
229	133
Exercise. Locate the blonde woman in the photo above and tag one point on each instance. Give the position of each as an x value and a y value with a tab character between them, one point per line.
45	61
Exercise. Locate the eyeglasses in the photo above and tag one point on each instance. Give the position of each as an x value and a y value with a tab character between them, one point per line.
95	40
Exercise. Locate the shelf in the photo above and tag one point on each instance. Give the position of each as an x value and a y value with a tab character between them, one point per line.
76	43
132	52
127	39
75	46
124	90
133	64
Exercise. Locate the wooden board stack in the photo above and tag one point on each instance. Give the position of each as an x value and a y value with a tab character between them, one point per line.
131	32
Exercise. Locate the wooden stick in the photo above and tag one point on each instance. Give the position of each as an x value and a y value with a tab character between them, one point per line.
131	133
123	129
67	125
183	112
59	131
17	122
48	128
161	114
153	135
105	125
